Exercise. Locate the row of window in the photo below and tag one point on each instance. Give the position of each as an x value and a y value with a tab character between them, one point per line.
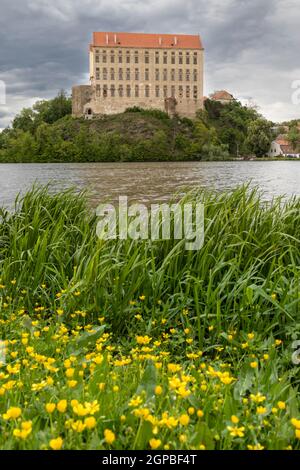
174	75
160	58
136	92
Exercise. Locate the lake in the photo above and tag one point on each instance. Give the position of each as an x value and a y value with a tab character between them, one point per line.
149	182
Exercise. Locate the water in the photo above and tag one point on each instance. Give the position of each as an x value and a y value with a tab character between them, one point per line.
149	182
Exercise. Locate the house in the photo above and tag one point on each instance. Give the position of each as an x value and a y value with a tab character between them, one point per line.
282	148
222	96
151	71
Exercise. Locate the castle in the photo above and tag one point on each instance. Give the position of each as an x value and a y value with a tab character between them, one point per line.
151	71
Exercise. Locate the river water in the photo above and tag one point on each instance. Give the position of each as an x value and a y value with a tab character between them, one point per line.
149	182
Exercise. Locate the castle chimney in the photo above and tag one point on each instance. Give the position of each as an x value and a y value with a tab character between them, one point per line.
160	41
115	39
107	39
175	41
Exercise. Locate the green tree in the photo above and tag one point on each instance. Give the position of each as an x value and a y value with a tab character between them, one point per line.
259	137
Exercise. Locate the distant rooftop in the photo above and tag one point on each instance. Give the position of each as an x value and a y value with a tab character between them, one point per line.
163	41
222	95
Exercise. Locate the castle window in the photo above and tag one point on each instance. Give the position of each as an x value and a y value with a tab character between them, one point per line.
128	57
188	75
128	91
180	75
157	57
173	91
180	58
146	57
195	58
157	91
156	74
120	57
104	74
180	91
195	92
112	57
136	91
173	75
136	57
98	90
97	73
188	92
127	74
105	91
165	91
137	74
104	57
165	58
147	74
165	75
187	58
147	91
112	74
121	91
173	58
195	75
112	91
97	58
120	74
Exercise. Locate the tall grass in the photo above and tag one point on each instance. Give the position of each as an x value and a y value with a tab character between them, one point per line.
246	275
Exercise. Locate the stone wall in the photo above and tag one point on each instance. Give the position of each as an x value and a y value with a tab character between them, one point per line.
81	95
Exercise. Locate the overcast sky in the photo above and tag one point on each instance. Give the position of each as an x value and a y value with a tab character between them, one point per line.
251	46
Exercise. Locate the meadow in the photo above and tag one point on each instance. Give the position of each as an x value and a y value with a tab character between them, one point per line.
144	345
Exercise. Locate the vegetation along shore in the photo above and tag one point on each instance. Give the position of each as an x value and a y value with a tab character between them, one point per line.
48	133
143	345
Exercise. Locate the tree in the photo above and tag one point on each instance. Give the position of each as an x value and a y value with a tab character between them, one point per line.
47	112
259	137
294	137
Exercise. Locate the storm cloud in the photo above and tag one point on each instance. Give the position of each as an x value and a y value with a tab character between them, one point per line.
251	46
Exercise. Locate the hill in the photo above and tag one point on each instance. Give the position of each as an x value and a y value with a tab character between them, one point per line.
48	133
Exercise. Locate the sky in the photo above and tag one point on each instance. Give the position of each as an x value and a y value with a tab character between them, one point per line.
251	46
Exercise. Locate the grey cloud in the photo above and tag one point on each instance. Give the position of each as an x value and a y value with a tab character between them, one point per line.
251	45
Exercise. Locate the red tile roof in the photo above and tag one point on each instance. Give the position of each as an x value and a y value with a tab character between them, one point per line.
163	41
221	95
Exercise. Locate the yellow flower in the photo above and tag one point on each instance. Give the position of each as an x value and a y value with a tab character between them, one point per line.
235	431
70	373
251	336
12	413
143	340
72	383
296	423
62	406
184	420
191	411
254	365
56	444
260	410
297	433
281	405
50	407
234	419
155	443
109	436
158	390
200	414
90	422
255	447
142	297
25	431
